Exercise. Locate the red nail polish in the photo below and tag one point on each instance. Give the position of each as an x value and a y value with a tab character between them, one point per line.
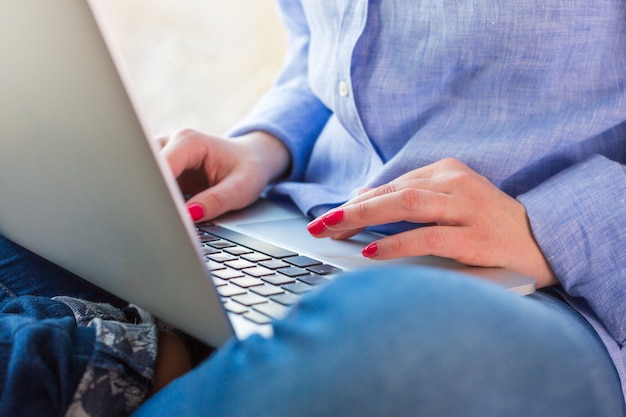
370	250
316	227
196	212
333	217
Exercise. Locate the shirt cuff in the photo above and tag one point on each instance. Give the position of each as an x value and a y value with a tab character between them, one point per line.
295	116
578	218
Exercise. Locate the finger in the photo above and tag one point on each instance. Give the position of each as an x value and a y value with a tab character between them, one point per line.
395	186
184	151
439	168
438	176
425	172
412	205
161	141
434	170
346	235
443	241
446	175
224	196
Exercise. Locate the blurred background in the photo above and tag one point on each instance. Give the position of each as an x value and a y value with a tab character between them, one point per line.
196	63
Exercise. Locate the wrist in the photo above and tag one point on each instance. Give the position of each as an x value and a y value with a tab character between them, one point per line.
269	152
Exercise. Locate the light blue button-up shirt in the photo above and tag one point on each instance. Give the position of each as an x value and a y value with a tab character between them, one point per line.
531	94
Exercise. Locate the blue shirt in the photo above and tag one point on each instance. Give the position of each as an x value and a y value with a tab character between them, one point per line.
530	94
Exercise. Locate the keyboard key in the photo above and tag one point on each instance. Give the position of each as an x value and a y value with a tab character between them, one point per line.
255	257
246	282
219	282
273	310
214	266
221	244
286	299
222	257
239	264
248	241
230	290
274	264
258	271
235	307
267	290
227	274
278	279
324	269
258	318
314	280
237	250
297	287
302	261
249	299
293	271
207	250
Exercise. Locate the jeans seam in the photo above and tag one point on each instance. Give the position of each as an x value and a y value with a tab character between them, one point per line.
7	290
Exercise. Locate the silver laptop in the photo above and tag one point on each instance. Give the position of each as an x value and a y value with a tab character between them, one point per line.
81	185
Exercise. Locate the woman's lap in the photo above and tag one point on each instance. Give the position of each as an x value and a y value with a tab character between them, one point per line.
408	342
382	342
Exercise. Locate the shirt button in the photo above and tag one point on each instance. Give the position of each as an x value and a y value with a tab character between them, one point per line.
343	89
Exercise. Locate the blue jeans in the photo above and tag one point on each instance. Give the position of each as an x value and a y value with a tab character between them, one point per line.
62	355
407	342
378	342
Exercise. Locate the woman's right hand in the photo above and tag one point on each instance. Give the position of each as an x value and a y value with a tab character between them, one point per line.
223	174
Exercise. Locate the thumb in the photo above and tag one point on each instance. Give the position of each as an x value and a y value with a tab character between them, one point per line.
231	193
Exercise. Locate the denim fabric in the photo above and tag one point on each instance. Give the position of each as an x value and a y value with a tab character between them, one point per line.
64	356
378	342
42	356
407	342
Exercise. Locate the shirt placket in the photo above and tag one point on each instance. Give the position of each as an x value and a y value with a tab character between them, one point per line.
353	20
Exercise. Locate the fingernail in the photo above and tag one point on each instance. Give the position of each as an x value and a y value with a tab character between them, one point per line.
316	227
370	250
196	212
332	218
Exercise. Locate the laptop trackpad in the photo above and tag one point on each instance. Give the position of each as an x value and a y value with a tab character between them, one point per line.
292	233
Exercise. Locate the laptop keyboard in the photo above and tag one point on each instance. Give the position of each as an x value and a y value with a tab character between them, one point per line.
256	279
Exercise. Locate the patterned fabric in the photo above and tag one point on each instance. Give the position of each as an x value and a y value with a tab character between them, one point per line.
119	376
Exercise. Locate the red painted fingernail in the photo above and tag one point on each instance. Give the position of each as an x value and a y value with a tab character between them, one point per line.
316	227
370	250
196	212
332	218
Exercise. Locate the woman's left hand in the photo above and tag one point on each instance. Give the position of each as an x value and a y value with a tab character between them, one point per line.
470	220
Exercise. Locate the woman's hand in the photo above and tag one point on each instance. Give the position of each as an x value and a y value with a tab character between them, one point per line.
470	220
220	174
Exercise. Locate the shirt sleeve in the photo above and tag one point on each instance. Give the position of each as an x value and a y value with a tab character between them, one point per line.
579	220
290	110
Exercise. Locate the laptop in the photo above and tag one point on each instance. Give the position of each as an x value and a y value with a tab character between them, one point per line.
82	185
